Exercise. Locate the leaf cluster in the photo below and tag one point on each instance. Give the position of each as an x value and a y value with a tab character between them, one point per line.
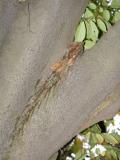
99	15
94	136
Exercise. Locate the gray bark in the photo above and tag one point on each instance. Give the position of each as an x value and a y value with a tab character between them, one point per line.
27	56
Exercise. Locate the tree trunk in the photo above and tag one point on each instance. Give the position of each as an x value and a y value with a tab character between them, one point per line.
91	89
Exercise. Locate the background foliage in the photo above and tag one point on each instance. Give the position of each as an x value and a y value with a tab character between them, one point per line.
99	142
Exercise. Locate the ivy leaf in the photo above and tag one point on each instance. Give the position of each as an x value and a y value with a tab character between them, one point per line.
92	31
101	25
99	138
106	15
92	6
89	44
80	32
116	17
88	13
107	24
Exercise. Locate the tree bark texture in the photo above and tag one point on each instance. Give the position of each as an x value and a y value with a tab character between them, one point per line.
89	93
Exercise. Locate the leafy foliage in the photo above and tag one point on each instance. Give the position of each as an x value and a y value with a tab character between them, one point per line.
93	143
96	20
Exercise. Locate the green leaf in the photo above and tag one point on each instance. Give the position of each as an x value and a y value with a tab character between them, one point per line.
80	155
117	137
88	13
101	25
92	31
92	6
80	32
77	145
101	9
95	129
106	14
116	17
107	24
88	135
113	154
93	139
115	4
109	138
99	138
89	44
104	3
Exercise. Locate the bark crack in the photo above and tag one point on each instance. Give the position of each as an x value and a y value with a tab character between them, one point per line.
59	69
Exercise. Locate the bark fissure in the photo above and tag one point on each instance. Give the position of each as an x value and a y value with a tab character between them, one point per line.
110	99
59	69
